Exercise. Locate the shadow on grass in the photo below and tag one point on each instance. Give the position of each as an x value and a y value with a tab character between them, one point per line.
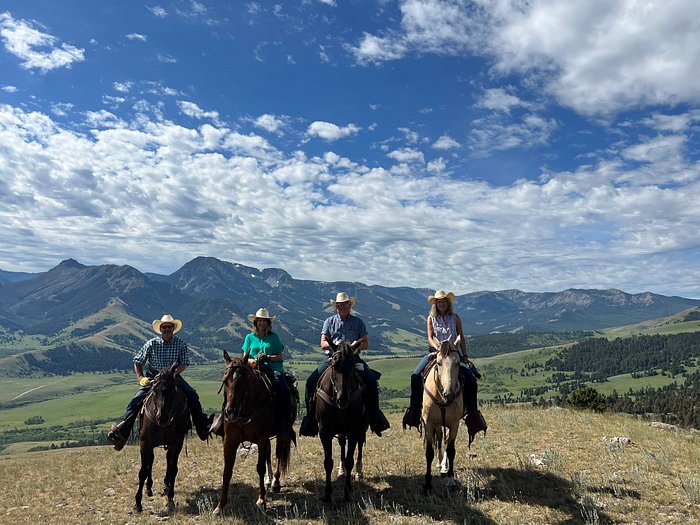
403	496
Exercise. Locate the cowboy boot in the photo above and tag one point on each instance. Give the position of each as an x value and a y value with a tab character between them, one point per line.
413	414
378	422
309	425
119	434
475	423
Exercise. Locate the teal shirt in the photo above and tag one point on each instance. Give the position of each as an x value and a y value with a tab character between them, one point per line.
270	345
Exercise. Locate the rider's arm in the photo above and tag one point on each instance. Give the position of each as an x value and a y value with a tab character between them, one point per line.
325	345
462	339
434	344
138	368
180	369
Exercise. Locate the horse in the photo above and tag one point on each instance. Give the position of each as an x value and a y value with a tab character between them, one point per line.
164	421
249	416
341	411
442	411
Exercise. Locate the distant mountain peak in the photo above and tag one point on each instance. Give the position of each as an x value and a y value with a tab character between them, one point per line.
71	263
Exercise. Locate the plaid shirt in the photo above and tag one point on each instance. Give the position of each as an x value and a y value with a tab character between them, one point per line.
158	354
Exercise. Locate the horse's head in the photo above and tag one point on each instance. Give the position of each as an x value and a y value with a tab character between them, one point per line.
165	394
343	365
447	370
235	385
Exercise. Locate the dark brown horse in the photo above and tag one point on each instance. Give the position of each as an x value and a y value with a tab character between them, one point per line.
249	416
164	421
340	411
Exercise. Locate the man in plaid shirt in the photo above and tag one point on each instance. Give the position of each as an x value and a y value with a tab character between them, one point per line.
158	353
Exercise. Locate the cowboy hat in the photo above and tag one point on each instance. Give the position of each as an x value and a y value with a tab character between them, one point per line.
342	297
440	294
167	318
261	314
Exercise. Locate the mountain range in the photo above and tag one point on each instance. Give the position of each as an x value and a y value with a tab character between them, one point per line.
78	309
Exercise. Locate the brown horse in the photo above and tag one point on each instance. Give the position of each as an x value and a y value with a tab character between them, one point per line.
249	416
164	421
340	411
442	411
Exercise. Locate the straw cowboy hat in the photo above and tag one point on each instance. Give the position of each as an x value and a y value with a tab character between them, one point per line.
342	297
440	294
261	314
167	318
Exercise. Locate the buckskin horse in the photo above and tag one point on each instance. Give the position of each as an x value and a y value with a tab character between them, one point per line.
442	411
249	416
340	411
164	421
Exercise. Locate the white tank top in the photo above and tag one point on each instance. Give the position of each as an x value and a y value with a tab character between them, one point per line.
444	327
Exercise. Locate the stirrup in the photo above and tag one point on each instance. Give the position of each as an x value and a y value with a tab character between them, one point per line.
309	426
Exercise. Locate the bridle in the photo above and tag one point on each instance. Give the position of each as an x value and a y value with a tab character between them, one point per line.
334	401
240	372
442	402
159	387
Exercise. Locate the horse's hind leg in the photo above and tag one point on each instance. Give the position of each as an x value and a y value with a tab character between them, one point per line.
358	474
450	460
327	442
348	469
276	485
341	465
263	460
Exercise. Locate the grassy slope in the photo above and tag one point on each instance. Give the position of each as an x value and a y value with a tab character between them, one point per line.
583	479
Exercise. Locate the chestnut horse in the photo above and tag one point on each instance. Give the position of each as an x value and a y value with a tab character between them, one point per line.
164	421
341	411
249	416
442	411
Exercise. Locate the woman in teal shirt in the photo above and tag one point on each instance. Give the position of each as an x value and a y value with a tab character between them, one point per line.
262	341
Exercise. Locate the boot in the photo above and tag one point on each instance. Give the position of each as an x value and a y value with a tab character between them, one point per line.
203	426
118	435
378	422
217	424
475	424
309	425
413	414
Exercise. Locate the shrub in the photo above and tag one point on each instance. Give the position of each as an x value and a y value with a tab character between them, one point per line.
587	398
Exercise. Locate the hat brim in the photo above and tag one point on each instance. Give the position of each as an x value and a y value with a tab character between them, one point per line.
178	325
253	317
450	297
351	300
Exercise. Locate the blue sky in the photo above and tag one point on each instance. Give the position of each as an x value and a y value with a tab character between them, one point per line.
462	145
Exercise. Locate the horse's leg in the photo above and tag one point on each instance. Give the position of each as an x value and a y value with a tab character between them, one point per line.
230	448
450	481
263	460
341	465
429	455
358	475
144	473
171	473
349	458
268	475
276	485
441	455
149	485
327	442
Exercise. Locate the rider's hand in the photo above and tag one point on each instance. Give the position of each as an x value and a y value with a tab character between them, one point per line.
144	381
359	366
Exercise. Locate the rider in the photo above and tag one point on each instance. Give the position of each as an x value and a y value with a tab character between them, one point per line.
443	324
265	346
158	353
343	326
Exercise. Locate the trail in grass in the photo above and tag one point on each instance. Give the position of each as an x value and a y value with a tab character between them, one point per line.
37	388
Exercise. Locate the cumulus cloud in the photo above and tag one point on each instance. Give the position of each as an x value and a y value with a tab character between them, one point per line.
210	190
331	132
270	123
137	36
597	57
35	48
446	142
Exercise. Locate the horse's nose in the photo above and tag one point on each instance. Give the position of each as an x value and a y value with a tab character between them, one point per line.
449	396
228	413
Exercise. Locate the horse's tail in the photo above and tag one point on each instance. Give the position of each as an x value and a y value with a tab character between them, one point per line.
283	451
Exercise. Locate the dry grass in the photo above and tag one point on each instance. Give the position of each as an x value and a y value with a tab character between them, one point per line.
581	478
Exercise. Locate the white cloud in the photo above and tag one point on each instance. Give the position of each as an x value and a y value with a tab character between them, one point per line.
36	49
446	142
137	36
9	89
123	87
158	11
495	133
270	123
498	99
406	155
193	110
331	132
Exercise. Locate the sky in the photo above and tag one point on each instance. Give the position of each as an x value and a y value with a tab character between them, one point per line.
462	145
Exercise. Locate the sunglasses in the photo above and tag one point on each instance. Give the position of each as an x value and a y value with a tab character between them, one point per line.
167	327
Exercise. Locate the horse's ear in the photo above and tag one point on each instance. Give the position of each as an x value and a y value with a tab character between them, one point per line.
355	345
227	358
457	341
246	356
173	368
333	346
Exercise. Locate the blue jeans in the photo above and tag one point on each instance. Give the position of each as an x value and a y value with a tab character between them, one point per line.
199	418
367	375
470	385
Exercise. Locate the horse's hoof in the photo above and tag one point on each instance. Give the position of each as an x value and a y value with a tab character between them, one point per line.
443	474
149	493
217	512
261	505
276	488
357	476
136	510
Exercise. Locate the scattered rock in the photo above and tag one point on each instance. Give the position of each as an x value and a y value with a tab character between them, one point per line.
537	460
664	426
109	491
622	441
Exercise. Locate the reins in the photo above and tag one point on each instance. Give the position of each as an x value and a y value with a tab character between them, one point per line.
240	420
333	401
442	403
149	406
